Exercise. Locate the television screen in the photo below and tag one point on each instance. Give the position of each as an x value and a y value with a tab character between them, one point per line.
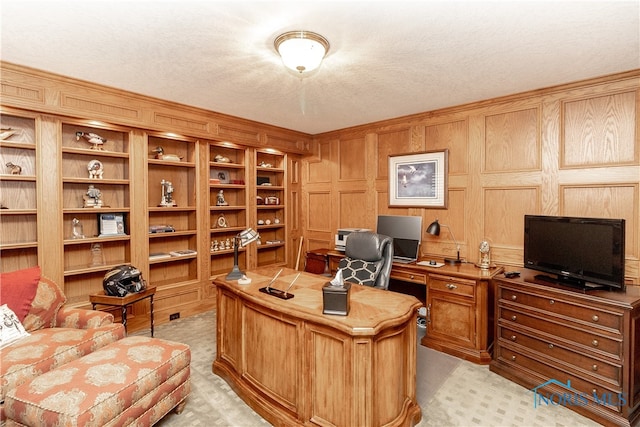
406	232
580	252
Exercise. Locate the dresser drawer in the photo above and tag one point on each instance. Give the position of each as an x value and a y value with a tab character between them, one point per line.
557	328
572	310
452	285
608	372
408	276
581	387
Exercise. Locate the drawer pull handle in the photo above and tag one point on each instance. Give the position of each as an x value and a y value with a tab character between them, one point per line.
594	367
514	297
513	317
595	343
552	302
451	286
550	345
595	318
513	357
513	337
411	276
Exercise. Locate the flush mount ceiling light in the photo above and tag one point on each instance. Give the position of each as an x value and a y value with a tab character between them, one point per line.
301	51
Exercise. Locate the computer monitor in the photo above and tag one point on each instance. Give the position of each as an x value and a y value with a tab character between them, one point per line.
406	232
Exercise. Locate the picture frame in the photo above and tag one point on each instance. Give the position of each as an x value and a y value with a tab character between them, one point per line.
419	179
221	175
111	224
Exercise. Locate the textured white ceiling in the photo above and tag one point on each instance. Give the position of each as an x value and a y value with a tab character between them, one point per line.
387	58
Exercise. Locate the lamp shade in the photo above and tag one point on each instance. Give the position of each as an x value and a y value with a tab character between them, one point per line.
434	228
247	236
301	51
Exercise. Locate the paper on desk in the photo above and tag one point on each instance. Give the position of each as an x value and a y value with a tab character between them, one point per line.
428	264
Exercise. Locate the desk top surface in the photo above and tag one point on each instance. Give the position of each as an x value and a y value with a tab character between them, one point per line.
371	310
465	270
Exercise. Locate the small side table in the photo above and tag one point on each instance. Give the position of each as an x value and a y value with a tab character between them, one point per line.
124	302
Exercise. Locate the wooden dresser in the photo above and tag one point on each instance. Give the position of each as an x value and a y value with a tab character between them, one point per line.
562	343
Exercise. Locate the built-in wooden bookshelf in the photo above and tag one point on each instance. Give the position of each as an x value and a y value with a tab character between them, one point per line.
89	250
18	195
271	196
172	203
228	201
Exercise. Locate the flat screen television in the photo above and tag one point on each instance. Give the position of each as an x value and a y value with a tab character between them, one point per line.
406	232
585	253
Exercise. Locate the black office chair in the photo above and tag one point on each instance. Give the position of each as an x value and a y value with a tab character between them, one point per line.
368	259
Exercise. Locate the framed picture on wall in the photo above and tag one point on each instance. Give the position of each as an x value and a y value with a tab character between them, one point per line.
419	179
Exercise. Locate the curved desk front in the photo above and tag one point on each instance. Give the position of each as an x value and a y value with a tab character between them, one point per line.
295	366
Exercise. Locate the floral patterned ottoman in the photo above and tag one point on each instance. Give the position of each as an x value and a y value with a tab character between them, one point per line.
133	381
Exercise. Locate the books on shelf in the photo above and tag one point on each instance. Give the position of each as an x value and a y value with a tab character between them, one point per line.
161	229
183	252
158	255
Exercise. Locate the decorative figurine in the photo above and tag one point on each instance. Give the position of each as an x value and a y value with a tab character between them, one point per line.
92	198
221	159
14	169
6	132
485	255
77	231
97	256
167	194
265	165
222	221
161	155
221	201
95	169
94	139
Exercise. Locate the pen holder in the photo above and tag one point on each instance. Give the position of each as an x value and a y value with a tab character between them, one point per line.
335	300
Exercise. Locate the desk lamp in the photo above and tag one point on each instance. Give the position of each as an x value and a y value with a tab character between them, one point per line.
242	239
434	229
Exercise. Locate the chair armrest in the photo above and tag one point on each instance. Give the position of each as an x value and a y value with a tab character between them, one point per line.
80	318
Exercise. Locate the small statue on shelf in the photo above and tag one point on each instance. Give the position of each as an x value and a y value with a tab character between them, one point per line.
14	169
6	132
96	141
167	194
97	256
161	155
219	158
77	230
221	201
95	169
92	198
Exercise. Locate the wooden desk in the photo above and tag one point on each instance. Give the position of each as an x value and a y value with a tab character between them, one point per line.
294	366
124	302
459	302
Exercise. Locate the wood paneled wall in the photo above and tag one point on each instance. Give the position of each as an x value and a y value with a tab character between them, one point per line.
568	150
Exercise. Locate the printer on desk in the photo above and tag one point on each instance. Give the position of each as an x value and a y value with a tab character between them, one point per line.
343	234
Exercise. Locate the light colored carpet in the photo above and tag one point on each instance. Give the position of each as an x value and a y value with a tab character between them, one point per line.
450	391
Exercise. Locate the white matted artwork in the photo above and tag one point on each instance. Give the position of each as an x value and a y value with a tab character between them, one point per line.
419	179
